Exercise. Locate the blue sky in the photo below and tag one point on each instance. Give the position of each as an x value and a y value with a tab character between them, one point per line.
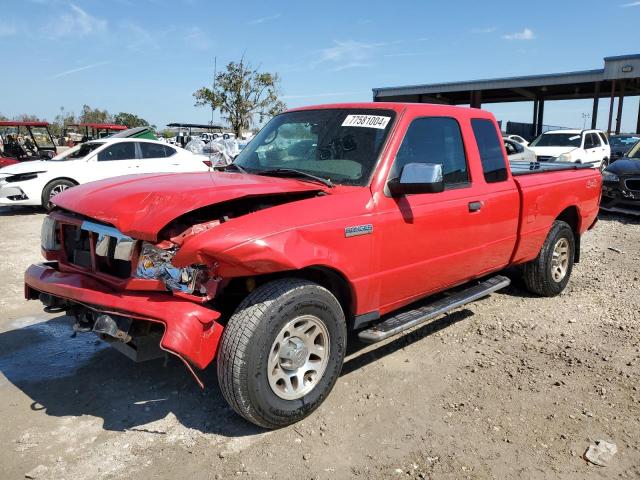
148	56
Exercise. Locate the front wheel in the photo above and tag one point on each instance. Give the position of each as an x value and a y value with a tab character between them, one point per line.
282	352
53	188
548	274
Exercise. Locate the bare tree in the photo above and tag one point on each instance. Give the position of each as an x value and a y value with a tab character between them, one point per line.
242	94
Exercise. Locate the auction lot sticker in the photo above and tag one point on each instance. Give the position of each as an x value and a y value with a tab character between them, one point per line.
369	121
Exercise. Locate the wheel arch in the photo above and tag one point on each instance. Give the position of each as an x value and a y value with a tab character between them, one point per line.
330	278
571	216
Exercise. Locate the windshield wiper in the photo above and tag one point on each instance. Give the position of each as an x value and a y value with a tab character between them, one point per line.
234	165
292	172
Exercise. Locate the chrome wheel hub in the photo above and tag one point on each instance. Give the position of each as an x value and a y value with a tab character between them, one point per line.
298	357
57	189
560	260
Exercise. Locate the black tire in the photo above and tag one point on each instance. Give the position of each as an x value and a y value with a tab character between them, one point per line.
248	340
538	276
604	164
50	188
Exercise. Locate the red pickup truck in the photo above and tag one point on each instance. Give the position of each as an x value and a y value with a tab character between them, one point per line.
334	218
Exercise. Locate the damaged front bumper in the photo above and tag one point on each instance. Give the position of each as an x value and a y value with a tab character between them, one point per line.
191	331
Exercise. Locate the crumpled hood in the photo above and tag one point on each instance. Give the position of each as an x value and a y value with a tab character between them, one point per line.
141	205
25	167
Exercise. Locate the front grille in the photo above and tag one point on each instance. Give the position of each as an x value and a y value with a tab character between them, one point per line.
98	248
632	184
543	158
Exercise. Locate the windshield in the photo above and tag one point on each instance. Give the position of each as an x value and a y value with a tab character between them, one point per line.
341	145
42	138
623	142
557	140
634	152
78	152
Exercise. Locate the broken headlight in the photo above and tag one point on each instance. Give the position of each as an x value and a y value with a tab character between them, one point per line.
155	263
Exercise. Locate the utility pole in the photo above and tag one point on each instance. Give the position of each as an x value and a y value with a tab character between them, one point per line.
215	71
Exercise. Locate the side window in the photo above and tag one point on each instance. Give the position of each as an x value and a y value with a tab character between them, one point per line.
604	138
118	151
168	151
491	156
434	140
588	141
596	139
152	150
510	147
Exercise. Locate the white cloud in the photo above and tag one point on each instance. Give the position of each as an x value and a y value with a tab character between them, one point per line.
76	22
7	30
632	4
483	30
197	38
136	37
79	69
526	34
257	21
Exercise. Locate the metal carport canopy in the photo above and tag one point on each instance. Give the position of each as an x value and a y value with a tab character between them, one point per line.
619	77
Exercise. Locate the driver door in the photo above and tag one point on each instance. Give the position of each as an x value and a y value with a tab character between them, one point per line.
115	160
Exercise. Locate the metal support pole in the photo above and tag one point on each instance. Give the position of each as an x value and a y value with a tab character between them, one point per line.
594	112
619	115
540	116
638	124
534	122
613	91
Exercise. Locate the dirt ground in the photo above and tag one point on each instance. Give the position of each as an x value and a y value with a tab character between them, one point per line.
512	386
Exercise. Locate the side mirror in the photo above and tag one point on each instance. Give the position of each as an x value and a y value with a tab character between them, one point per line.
417	178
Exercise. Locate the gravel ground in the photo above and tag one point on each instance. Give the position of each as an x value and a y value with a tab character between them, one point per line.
512	386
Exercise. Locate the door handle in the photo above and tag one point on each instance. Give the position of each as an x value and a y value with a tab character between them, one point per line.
475	206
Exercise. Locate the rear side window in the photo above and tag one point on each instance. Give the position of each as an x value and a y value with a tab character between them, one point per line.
118	151
434	140
152	150
489	146
604	138
596	140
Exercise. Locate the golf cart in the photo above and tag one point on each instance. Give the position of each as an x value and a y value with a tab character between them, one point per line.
22	141
91	131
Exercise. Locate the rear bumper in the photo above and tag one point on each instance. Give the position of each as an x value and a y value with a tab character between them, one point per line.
191	331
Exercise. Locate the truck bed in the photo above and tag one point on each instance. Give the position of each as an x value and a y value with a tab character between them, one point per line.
531	168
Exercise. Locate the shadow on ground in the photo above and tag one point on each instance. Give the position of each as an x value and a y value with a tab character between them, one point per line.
20	211
67	375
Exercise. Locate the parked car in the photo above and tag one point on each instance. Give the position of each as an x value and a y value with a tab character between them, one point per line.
333	218
621	144
577	146
517	152
621	184
516	138
36	182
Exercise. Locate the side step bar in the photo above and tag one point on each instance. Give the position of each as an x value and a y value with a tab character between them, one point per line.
410	318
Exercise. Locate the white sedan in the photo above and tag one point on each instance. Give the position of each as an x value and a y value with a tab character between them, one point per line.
36	182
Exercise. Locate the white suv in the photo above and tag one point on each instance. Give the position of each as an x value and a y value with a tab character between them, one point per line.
576	146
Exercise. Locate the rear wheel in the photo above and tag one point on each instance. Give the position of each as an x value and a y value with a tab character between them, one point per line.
549	273
281	352
53	188
604	164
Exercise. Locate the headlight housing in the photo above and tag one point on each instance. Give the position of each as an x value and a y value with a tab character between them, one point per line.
21	177
564	157
155	263
609	177
49	234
